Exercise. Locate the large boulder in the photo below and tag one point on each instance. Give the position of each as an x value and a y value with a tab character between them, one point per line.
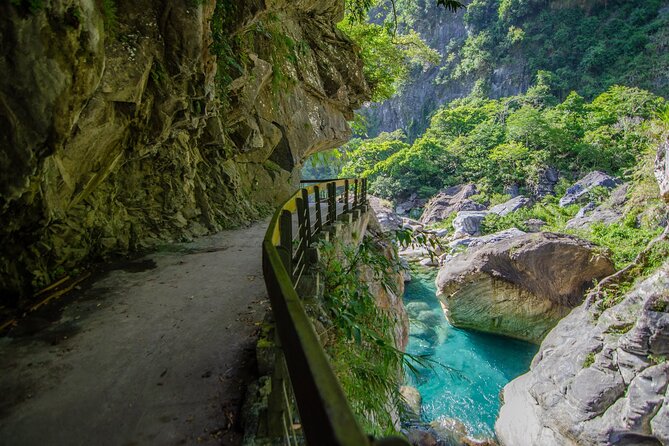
453	199
662	169
474	242
581	188
383	209
520	287
510	206
598	379
468	223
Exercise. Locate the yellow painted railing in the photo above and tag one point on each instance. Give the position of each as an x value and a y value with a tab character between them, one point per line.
325	416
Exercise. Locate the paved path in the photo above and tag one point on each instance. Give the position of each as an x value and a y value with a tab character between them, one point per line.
154	353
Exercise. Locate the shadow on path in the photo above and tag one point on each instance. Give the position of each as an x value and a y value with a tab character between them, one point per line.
156	351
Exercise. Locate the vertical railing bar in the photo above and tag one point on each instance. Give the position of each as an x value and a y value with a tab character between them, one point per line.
319	217
302	231
285	430
286	239
332	203
355	194
307	219
290	412
345	196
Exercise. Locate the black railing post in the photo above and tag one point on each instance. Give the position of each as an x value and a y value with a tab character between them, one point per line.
356	191
317	203
307	218
346	196
332	202
286	240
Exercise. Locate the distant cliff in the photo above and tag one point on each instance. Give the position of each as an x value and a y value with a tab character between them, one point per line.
126	124
495	49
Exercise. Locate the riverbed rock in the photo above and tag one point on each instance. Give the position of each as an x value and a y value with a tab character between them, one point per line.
581	188
595	380
609	212
520	287
410	205
453	199
534	224
412	398
383	209
473	242
468	223
510	206
450	430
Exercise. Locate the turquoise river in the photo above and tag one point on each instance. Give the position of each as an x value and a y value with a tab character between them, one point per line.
472	367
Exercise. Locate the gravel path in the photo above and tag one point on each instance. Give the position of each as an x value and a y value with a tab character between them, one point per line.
154	352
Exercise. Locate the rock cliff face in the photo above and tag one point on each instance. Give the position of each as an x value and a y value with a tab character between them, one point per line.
424	93
520	287
597	380
123	127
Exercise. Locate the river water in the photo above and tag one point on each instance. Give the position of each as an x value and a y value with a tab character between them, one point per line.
472	367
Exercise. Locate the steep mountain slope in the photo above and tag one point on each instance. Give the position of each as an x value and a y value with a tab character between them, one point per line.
496	48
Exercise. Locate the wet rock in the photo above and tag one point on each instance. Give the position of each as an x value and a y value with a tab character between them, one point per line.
510	206
413	399
453	199
468	223
450	430
521	286
581	188
413	308
421	437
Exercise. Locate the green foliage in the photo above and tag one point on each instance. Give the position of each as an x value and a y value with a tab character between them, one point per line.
31	6
589	360
390	48
109	16
387	57
510	141
363	349
588	45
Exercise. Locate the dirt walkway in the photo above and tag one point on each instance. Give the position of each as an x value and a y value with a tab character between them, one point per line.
155	352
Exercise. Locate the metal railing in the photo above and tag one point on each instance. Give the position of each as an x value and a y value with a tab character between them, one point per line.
325	416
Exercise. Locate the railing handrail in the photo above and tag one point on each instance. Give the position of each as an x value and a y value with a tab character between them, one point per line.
326	416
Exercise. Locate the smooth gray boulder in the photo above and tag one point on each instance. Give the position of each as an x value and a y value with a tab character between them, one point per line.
453	199
598	378
468	223
510	206
520	287
581	188
473	242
